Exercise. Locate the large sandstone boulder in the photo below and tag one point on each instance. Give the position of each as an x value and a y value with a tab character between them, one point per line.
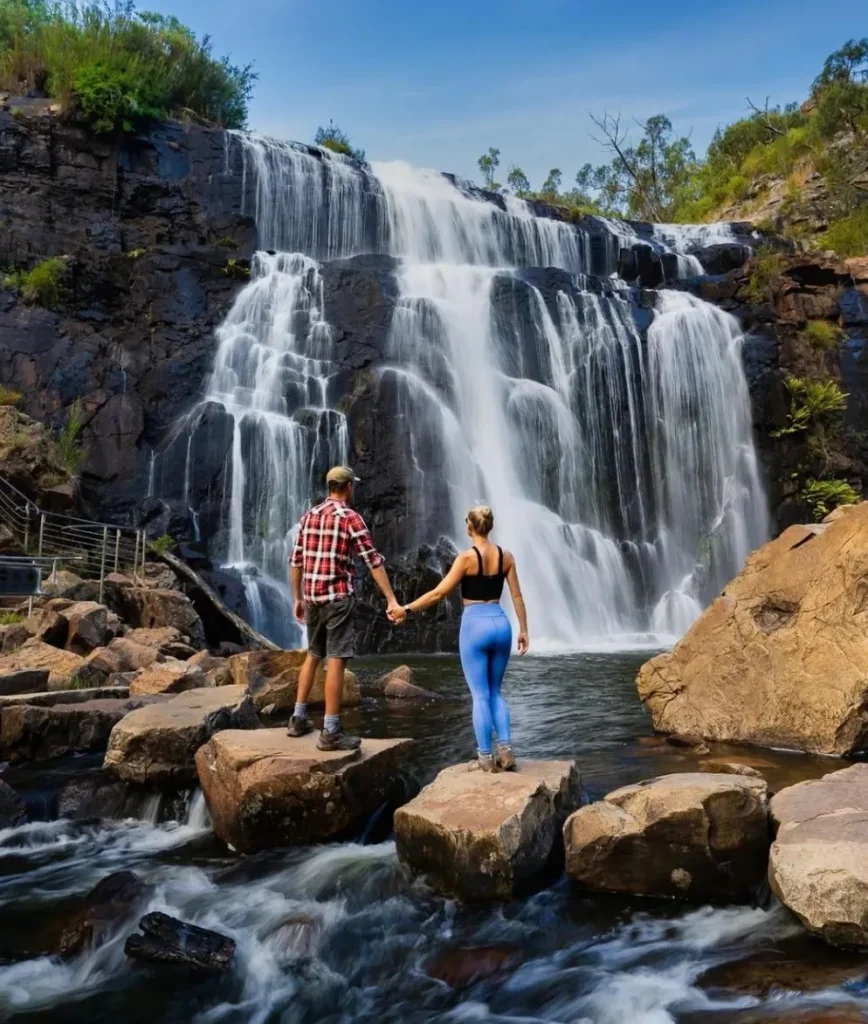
781	657
479	835
98	668
34	732
156	608
169	676
819	861
132	656
90	625
267	789
35	654
272	679
700	837
165	641
216	670
158	744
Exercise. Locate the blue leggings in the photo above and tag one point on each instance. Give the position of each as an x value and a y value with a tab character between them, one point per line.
485	642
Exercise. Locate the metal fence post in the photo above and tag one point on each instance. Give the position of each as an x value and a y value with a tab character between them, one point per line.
102	563
41	532
26	526
117	549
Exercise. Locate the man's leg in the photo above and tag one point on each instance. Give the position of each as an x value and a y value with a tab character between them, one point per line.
340	644
334	686
299	725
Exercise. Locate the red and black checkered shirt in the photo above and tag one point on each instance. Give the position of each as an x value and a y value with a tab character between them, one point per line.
329	537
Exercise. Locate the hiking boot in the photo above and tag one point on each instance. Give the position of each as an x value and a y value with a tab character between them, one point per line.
299	726
338	740
505	759
484	763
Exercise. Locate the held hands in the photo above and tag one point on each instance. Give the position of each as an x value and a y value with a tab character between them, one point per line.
395	613
523	643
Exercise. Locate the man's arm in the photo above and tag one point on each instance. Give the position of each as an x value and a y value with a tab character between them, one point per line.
296	571
364	548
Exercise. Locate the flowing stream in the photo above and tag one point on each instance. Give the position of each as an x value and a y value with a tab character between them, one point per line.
621	468
339	934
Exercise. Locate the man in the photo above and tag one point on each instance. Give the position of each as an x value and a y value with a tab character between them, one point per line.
321	572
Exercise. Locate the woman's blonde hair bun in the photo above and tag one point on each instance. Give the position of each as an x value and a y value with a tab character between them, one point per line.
481	520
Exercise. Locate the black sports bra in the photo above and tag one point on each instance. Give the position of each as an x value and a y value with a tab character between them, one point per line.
481	587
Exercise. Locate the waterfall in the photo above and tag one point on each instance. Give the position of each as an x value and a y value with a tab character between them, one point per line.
621	471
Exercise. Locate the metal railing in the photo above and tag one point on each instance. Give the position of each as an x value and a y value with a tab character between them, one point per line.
97	549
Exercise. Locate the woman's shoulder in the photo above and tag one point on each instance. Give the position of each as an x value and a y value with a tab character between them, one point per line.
508	559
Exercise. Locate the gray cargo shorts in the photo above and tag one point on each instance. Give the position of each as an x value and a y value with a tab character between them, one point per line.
331	628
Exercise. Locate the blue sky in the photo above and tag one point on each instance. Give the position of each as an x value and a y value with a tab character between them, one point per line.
438	83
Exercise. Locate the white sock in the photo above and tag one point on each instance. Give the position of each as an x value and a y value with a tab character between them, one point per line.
300	711
331	723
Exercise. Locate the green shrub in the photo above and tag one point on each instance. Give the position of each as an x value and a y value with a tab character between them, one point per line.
236	268
811	402
111	66
822	334
849	235
9	618
41	285
765	275
8	396
825	495
70	449
226	242
136	254
331	137
162	544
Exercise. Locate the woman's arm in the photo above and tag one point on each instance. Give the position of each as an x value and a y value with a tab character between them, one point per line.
518	604
449	582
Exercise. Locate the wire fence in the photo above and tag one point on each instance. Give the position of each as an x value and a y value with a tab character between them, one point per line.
95	549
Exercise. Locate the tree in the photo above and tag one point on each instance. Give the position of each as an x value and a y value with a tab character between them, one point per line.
840	91
552	184
642	180
488	164
849	64
518	181
331	137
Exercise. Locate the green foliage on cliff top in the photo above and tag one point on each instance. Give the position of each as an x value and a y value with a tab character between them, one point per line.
111	66
331	137
849	235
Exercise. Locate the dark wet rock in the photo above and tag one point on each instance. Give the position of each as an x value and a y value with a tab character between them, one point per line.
463	967
723	257
31	732
23	680
723	766
297	936
166	940
107	906
13	810
89	626
808	968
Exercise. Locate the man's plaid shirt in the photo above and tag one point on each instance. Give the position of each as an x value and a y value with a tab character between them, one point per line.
329	536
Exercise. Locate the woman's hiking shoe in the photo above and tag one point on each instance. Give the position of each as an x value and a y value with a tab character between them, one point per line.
338	740
505	759
299	726
485	763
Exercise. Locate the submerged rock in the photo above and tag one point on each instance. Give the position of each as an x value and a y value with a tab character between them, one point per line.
818	865
107	905
272	679
398	684
781	657
266	789
166	940
689	836
461	968
157	744
479	835
39	732
13	810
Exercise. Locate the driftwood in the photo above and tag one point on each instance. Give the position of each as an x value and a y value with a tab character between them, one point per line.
166	940
206	600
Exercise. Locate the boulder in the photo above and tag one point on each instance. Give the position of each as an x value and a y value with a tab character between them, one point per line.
12	636
723	257
23	680
35	654
166	641
13	810
272	679
157	744
155	608
32	732
90	625
721	766
132	655
169	676
47	625
106	907
781	657
460	968
479	835
166	940
818	865
67	585
692	836
266	789
98	667
48	698
398	684
216	670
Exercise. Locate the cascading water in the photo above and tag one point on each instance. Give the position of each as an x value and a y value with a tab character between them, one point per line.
622	474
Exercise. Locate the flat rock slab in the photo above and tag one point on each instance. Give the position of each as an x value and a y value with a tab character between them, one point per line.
267	789
157	744
692	836
818	865
48	698
38	732
480	835
23	680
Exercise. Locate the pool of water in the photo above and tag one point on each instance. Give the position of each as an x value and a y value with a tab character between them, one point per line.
339	933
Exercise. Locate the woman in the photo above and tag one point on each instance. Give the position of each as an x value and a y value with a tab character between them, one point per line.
485	638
